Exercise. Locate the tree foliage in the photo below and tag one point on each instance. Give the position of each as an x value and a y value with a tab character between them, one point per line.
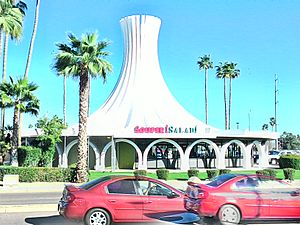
289	141
51	130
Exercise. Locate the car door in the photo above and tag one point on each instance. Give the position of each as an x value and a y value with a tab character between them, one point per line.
124	201
159	200
252	201
285	200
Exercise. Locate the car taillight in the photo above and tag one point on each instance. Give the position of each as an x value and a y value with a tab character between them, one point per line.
70	198
202	194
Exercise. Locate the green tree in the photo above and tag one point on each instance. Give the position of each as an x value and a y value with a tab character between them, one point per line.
11	24
51	130
233	73
82	59
205	64
272	122
227	71
20	96
265	126
289	141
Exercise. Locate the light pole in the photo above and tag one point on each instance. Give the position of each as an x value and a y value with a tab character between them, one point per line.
249	119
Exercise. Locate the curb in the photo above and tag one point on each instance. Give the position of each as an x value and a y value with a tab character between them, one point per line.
28	208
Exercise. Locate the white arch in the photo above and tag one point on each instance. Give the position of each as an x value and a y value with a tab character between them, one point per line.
74	142
184	166
214	146
60	155
262	152
246	154
108	145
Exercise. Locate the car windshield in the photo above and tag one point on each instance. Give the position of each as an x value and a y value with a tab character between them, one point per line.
217	181
273	153
94	182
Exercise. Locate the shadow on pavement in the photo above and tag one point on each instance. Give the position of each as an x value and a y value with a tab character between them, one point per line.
51	220
214	221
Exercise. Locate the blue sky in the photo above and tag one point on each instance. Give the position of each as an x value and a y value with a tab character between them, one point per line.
261	36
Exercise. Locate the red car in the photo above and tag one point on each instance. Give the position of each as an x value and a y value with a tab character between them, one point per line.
233	197
119	199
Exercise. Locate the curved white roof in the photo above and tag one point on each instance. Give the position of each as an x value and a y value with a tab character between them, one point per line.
141	104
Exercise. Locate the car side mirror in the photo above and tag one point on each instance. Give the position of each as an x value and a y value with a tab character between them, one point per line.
173	195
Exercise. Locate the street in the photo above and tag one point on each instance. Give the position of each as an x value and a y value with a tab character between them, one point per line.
29	198
52	218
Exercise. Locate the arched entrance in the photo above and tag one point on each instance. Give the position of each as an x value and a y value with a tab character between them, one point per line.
202	154
72	156
163	153
234	153
128	155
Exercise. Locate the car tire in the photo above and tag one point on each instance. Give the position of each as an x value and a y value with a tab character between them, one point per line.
229	214
97	216
274	161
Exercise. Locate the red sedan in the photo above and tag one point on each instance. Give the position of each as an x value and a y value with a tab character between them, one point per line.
119	199
232	197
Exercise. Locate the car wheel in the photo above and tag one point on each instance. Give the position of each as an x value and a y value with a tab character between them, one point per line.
274	161
97	217
229	214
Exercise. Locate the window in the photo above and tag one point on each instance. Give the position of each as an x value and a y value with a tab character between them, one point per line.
122	187
153	189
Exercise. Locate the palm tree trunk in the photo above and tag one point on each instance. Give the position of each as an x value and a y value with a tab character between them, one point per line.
82	175
36	20
16	130
2	110
206	97
5	50
229	105
225	105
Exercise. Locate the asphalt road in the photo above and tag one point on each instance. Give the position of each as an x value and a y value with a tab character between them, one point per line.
30	198
52	218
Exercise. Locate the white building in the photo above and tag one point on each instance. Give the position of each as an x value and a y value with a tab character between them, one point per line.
142	126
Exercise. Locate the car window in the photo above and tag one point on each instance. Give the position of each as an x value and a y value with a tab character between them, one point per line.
153	189
122	187
217	181
94	183
249	183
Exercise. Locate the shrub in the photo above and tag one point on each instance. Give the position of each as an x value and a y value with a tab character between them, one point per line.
193	173
212	173
29	156
271	172
39	174
267	172
289	161
289	173
224	171
140	172
162	174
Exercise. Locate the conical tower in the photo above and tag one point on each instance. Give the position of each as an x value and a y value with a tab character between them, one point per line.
141	104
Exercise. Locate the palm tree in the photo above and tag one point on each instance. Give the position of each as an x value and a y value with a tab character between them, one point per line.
36	20
11	23
82	59
221	74
18	95
265	126
233	73
227	71
206	64
272	122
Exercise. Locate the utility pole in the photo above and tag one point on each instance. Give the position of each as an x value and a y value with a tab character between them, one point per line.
276	103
